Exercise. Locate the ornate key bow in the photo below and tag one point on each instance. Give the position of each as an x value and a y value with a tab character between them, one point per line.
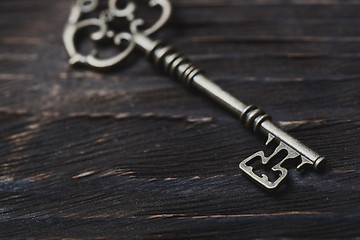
106	17
173	63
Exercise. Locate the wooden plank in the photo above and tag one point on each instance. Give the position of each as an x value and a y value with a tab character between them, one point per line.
87	154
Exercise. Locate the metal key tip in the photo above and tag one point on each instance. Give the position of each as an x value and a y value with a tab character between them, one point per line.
320	163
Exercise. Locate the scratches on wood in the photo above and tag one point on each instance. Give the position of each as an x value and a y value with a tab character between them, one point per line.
18	57
120	116
21	40
14	76
183	216
300	123
273	39
84	174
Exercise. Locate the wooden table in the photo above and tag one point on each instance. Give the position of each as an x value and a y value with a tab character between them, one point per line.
132	154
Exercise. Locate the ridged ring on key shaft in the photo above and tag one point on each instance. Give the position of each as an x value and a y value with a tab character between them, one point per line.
173	63
252	117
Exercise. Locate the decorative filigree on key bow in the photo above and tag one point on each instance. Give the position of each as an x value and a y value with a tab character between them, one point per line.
128	13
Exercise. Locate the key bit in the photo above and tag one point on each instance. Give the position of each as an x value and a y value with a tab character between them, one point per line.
177	66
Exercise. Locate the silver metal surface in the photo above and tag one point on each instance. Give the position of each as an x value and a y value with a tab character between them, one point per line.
173	63
76	23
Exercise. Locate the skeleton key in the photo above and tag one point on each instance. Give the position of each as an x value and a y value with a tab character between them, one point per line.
173	63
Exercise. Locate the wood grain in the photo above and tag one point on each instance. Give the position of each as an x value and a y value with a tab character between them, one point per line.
131	154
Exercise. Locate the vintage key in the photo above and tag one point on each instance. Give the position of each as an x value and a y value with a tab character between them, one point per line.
173	63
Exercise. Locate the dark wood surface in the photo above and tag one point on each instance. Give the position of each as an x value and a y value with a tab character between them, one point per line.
132	154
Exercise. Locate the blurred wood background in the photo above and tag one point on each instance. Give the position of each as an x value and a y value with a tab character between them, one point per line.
133	154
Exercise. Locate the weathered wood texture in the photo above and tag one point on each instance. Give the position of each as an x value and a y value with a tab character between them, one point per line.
131	154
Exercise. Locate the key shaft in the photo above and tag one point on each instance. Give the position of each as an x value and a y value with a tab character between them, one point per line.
173	63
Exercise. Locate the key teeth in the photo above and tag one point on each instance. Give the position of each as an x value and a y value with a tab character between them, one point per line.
264	179
304	162
269	140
